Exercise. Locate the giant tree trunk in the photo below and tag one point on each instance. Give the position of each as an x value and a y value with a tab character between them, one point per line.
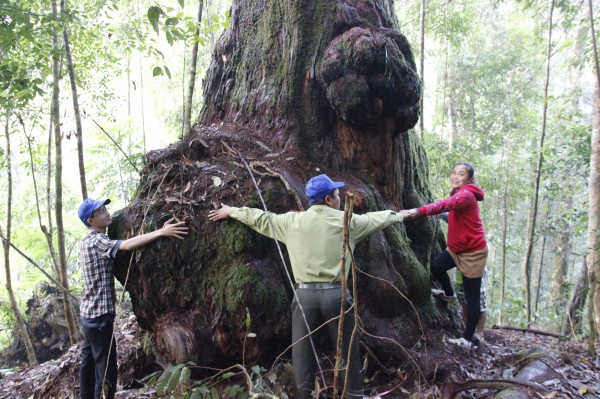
297	89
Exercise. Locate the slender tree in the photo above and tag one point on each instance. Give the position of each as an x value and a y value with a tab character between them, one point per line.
593	244
531	220
505	210
21	327
58	201
560	265
504	233
187	111
540	270
76	111
47	231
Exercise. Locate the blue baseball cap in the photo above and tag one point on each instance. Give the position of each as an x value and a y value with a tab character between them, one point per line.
88	207
318	187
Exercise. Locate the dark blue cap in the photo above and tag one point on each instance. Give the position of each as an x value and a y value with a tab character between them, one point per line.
88	207
319	186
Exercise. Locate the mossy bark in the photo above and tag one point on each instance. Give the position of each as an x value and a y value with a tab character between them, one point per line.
297	88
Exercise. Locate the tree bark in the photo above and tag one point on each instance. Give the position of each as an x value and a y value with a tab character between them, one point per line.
62	254
187	111
504	246
577	304
75	97
422	65
298	90
540	270
560	266
21	327
531	220
580	291
593	244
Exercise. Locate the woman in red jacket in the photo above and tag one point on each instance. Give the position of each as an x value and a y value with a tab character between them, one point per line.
467	247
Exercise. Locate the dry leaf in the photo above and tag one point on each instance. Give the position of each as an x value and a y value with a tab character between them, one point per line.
263	145
217	181
187	187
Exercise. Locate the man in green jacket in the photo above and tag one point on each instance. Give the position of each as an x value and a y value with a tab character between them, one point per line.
314	242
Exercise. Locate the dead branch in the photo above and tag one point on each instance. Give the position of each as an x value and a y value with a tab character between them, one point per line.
539	332
453	386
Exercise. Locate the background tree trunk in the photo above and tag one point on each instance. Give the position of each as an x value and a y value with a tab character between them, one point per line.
593	258
75	97
540	270
531	220
21	327
297	90
560	266
573	321
187	111
62	254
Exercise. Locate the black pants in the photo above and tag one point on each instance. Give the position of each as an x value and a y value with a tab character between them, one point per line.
321	305
98	357
472	286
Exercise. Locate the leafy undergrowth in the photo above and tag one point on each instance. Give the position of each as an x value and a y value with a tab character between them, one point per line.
574	373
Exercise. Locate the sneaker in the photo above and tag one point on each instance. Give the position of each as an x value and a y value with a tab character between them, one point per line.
442	295
463	343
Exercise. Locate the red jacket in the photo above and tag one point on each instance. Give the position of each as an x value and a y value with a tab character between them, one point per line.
465	229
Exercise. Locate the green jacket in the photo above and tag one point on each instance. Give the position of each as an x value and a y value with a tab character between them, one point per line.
314	237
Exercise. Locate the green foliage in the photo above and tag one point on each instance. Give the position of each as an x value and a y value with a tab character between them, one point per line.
176	382
7	319
105	38
179	27
484	97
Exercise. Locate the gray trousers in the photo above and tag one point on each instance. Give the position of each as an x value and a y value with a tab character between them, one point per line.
320	305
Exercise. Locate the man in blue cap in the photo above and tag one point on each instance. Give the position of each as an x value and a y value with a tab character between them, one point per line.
98	371
314	241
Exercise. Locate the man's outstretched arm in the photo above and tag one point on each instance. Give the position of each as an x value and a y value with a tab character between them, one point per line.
169	229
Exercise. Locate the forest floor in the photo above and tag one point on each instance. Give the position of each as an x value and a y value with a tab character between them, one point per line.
575	373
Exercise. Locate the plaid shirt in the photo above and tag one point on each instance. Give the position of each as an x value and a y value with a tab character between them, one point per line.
97	258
